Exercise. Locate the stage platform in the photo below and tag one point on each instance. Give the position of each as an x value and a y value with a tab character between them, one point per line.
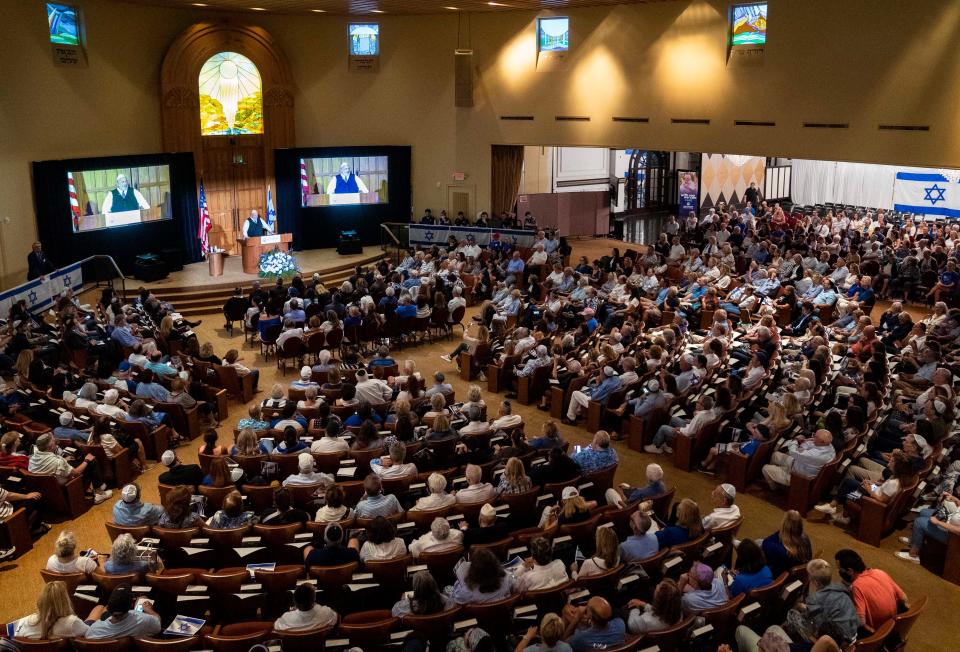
192	290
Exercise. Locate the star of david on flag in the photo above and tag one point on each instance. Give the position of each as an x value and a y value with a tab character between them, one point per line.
926	193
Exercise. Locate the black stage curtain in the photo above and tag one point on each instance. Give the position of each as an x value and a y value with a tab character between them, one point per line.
55	225
319	227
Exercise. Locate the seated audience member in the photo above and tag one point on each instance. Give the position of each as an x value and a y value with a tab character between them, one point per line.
438	497
304	382
10	454
476	490
305	613
291	444
598	455
572	509
642	542
605	557
725	511
440	385
750	570
66	429
665	611
440	537
826	602
333	508
804	457
65	558
701	589
232	515
482	579
220	474
514	479
119	618
54	617
688	526
125	558
283	512
131	511
704	413
549	437
425	599
506	419
382	541
232	359
178	509
475	423
329	550
331	441
876	596
789	546
45	460
490	528
307	475
593	626
374	503
392	466
624	494
177	472
559	468
540	570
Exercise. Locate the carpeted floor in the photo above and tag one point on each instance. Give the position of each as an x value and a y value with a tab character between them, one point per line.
20	580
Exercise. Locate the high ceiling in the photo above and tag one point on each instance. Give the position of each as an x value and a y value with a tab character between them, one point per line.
383	6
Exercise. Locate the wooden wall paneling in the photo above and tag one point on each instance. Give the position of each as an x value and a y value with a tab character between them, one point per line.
232	190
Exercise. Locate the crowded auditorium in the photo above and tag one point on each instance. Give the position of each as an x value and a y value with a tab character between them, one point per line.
490	332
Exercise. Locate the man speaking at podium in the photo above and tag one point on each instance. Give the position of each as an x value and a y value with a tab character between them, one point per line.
254	226
124	198
346	182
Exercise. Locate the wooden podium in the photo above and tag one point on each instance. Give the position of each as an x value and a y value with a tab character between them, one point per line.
252	248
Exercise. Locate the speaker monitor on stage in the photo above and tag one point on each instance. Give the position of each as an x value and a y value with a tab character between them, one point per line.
349	243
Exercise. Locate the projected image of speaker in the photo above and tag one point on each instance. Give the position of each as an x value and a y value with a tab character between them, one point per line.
344	180
106	198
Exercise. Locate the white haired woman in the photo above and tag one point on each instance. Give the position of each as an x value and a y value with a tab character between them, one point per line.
440	537
438	496
625	494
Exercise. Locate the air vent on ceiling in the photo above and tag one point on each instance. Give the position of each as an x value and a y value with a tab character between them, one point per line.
623	118
690	121
572	118
904	127
826	125
516	117
754	123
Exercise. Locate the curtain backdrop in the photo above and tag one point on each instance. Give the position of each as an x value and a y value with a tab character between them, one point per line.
857	184
506	169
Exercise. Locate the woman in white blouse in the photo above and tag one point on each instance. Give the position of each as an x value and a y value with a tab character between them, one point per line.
66	560
540	570
382	541
438	496
607	555
54	617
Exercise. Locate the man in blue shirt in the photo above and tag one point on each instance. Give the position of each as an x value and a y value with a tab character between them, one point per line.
383	359
597	390
598	455
130	511
590	320
406	308
642	543
604	630
515	269
122	333
295	313
147	388
160	368
66	430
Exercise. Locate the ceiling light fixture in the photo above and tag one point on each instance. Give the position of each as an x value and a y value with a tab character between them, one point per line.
453	8
376	11
257	9
199	4
319	11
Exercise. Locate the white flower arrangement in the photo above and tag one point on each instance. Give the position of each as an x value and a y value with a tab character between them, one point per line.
278	263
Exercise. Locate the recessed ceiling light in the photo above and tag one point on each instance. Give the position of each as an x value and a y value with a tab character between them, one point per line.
199	4
257	9
496	4
319	11
376	11
453	8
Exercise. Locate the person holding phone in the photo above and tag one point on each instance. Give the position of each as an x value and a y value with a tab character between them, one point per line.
121	617
901	471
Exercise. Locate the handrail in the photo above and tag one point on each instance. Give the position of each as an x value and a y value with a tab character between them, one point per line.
29	288
386	228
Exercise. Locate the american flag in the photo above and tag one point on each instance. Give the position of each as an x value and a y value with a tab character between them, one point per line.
304	186
205	223
74	202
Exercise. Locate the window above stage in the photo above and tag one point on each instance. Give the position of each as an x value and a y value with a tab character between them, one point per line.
748	24
231	96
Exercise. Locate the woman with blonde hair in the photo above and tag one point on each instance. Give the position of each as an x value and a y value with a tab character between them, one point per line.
24	360
689	525
474	397
607	555
246	443
469	342
514	479
572	509
789	546
552	631
65	558
54	617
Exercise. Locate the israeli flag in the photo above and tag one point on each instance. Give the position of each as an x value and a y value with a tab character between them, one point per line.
926	193
271	211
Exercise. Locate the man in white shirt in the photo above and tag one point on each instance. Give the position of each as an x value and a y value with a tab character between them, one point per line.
475	491
346	182
725	512
124	198
307	475
306	613
476	426
372	390
525	341
804	457
540	570
331	441
470	249
457	301
440	537
702	415
45	460
629	375
392	465
506	419
288	332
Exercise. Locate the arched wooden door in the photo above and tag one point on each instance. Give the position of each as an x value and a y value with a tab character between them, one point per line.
236	167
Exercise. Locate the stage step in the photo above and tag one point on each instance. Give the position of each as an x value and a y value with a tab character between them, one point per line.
209	299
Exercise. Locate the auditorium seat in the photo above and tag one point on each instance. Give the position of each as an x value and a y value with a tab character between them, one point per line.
103	645
550	600
723	619
368	629
42	645
62	499
603	584
440	564
238	637
136	531
495	617
390	574
180	644
435	628
109	581
875	642
671	638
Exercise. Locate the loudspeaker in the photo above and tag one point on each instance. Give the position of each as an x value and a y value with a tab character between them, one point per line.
463	78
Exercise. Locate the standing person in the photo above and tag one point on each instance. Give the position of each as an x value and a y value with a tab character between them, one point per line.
254	226
37	263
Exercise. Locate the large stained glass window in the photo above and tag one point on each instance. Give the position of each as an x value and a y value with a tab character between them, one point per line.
231	96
